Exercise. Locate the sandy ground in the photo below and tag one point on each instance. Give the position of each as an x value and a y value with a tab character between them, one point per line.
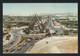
65	44
21	32
6	41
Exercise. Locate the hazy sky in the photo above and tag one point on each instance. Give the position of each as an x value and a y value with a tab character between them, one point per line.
23	9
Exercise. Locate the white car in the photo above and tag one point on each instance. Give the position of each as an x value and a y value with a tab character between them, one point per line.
19	48
24	44
28	40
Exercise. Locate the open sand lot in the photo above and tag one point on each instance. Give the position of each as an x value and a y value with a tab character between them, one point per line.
56	44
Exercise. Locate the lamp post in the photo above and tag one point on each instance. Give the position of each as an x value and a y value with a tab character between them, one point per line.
62	30
34	38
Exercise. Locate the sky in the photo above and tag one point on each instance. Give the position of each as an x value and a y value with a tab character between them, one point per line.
25	9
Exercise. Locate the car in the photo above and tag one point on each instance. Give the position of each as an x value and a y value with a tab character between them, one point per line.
53	33
41	38
11	43
28	40
21	41
19	45
48	34
36	40
19	48
12	50
24	44
65	34
32	43
6	50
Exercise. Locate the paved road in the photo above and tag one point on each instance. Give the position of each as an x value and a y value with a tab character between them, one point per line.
54	27
24	48
14	37
15	33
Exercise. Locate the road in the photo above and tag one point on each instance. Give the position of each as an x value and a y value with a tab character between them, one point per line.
54	27
24	48
51	28
16	36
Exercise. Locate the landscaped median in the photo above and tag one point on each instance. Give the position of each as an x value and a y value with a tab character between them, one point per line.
25	38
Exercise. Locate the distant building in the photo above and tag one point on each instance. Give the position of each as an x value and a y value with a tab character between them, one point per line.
63	19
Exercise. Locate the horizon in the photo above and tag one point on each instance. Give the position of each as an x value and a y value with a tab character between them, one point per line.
19	9
41	14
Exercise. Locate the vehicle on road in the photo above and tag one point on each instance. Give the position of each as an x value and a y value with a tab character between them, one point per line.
6	50
28	40
19	48
53	33
19	45
12	50
21	41
24	44
36	40
32	43
65	34
41	38
12	42
48	34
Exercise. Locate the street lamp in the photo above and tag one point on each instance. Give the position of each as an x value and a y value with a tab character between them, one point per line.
34	38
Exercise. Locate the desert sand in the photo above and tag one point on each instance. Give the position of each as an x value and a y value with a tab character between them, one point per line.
56	44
